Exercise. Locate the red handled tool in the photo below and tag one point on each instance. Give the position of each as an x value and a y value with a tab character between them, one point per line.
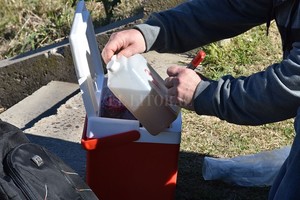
197	60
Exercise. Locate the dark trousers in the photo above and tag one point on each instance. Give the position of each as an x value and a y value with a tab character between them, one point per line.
287	183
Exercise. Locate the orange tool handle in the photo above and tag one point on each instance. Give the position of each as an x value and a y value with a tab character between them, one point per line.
197	60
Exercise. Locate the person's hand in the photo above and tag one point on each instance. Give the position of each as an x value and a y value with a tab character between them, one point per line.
126	43
181	84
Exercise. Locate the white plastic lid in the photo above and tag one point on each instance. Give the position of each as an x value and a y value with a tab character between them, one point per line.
113	64
87	58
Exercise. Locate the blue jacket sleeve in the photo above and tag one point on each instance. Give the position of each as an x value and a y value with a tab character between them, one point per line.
268	96
199	22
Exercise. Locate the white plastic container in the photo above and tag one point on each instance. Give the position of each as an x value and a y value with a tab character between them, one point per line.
138	86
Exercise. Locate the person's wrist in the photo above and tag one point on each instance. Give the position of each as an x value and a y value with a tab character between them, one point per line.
142	39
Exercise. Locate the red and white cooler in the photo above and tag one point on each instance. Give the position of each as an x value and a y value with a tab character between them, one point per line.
124	161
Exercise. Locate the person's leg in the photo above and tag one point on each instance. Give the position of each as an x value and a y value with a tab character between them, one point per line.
277	181
287	184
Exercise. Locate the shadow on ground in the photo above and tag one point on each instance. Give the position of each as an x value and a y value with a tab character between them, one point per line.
192	186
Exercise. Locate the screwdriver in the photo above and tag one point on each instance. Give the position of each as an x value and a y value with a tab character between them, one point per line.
197	60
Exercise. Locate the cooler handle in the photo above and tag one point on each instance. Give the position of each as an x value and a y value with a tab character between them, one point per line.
110	141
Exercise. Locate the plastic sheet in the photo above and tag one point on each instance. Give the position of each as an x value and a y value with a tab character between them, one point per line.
250	170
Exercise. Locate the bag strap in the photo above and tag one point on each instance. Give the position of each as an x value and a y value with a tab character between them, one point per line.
10	137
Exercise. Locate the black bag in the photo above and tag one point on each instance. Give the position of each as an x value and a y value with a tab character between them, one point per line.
29	171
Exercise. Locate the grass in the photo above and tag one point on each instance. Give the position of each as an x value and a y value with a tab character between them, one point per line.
31	24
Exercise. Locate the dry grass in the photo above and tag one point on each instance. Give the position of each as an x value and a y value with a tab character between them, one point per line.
28	25
215	137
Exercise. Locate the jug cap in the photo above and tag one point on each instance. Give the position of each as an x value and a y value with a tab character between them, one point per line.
113	64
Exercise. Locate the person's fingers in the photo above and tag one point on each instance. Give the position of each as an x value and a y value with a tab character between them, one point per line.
171	82
112	46
172	100
127	52
107	55
181	86
173	70
183	102
127	43
168	82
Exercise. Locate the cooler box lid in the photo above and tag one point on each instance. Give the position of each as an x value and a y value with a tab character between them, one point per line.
87	59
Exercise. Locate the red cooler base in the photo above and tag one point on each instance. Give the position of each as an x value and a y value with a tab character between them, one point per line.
132	170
